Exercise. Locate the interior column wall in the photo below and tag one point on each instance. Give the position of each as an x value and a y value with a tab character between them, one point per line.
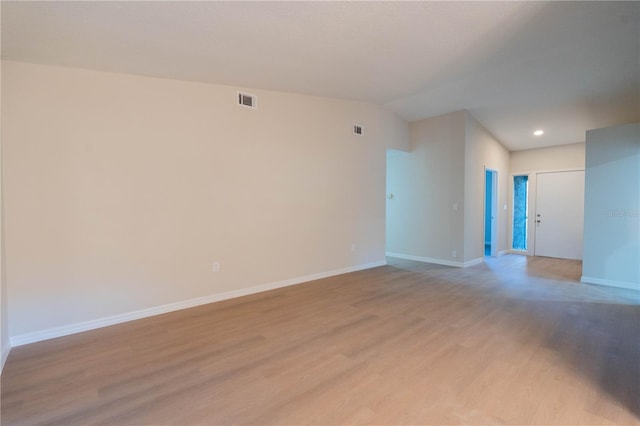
4	316
612	207
483	151
426	214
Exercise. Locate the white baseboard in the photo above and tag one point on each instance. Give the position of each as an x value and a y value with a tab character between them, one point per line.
3	357
65	330
477	261
425	259
610	283
503	252
436	261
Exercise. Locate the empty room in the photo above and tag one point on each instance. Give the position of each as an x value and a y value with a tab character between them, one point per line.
294	213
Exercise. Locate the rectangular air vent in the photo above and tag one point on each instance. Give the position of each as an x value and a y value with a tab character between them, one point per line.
357	129
247	100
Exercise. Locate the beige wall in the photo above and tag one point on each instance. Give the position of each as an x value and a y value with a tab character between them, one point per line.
444	170
4	324
121	191
563	157
483	151
425	185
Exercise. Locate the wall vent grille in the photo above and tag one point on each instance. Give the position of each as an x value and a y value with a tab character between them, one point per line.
357	129
247	100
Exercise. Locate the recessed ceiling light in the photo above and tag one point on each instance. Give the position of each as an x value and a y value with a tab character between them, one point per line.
539	132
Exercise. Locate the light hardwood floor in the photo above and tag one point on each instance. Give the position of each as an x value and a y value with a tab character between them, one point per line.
515	340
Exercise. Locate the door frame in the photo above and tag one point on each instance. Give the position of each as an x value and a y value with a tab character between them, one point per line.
531	200
494	212
530	204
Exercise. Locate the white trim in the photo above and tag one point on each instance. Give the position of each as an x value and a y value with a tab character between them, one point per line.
424	259
4	356
516	251
436	261
477	261
610	283
503	252
65	330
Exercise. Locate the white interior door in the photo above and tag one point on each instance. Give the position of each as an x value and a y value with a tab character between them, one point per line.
559	214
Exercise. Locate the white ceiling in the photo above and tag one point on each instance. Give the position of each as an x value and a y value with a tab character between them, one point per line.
516	66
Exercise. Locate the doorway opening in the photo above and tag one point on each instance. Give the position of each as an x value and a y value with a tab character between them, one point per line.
490	212
520	212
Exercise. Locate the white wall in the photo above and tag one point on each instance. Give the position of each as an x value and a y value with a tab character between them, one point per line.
425	185
612	207
531	161
483	151
121	191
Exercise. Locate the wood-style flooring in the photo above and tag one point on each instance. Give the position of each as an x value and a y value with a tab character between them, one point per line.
515	340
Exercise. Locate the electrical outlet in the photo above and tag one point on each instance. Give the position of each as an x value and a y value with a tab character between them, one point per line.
216	266
454	253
